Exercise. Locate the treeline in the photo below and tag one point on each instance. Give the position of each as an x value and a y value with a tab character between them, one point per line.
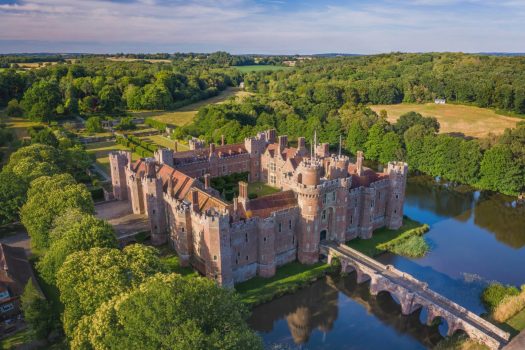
97	85
496	163
7	60
485	81
104	290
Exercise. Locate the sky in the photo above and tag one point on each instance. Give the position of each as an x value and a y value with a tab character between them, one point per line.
262	26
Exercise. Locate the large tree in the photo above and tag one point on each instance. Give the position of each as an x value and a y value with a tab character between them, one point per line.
499	172
34	161
89	278
12	196
169	312
47	198
41	100
73	233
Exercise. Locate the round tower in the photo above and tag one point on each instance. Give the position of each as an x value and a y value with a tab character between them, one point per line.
309	172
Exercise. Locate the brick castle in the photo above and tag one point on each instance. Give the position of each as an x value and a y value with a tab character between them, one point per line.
323	197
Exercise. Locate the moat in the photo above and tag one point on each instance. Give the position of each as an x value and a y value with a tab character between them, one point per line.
475	238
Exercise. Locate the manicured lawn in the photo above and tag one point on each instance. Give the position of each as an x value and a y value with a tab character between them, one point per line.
380	236
260	68
469	120
172	263
261	189
101	151
288	279
165	142
517	322
185	115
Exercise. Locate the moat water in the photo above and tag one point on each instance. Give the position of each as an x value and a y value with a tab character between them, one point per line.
475	238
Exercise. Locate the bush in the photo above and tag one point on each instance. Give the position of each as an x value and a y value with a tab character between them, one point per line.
494	294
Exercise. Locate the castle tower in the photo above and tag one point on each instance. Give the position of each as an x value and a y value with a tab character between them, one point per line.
397	173
255	146
217	235
164	156
154	203
309	200
118	161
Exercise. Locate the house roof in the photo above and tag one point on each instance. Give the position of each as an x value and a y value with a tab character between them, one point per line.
220	151
15	269
369	176
207	201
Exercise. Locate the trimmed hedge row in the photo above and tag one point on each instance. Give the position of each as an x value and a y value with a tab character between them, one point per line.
142	148
160	126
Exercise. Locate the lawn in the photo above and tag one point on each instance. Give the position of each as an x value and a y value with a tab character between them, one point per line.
260	68
261	189
469	120
101	151
380	236
517	322
287	279
185	115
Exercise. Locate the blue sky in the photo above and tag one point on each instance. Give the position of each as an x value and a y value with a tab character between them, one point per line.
262	26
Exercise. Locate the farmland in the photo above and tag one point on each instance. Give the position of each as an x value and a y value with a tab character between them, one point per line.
469	120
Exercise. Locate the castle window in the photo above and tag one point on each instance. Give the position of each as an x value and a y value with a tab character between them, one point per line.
324	199
280	227
246	237
182	229
333	196
355	202
264	239
239	254
293	239
246	257
236	262
153	211
397	196
379	194
351	220
372	204
395	211
323	216
290	224
215	257
155	227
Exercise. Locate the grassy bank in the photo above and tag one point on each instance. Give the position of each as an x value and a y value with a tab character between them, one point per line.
459	342
287	279
410	243
385	239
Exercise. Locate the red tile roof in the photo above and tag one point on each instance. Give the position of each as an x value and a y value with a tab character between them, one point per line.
15	269
263	207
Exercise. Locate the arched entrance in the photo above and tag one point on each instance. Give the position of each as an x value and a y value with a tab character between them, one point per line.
322	236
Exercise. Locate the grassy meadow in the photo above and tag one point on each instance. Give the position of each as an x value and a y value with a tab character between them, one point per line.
469	120
101	151
185	115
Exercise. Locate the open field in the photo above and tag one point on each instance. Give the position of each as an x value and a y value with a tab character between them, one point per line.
260	68
185	115
469	120
101	151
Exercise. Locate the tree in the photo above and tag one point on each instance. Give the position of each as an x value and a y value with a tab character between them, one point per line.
391	149
89	278
499	172
94	124
31	162
110	99
73	235
374	142
12	196
356	138
126	123
47	198
44	136
413	118
41	100
37	311
14	109
169	312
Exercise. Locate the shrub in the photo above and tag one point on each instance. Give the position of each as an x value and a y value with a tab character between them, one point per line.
494	294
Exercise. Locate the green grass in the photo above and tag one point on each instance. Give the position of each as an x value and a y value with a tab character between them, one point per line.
185	115
287	279
517	322
454	118
261	189
260	68
101	151
172	262
16	339
381	236
412	247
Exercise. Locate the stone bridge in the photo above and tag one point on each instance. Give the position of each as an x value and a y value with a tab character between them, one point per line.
413	294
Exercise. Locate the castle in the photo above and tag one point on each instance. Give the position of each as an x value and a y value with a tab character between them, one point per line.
323	197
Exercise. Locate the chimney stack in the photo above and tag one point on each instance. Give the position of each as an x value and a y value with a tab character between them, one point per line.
243	190
301	143
283	142
150	167
212	148
195	199
222	140
206	181
359	163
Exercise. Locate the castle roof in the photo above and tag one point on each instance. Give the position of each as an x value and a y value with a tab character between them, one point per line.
207	201
220	151
369	176
181	182
263	207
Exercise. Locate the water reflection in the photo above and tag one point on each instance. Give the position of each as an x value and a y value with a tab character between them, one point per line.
339	313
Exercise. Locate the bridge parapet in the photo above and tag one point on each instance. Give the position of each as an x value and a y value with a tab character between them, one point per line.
413	294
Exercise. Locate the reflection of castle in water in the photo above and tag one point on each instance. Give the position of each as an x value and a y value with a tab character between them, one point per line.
316	307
